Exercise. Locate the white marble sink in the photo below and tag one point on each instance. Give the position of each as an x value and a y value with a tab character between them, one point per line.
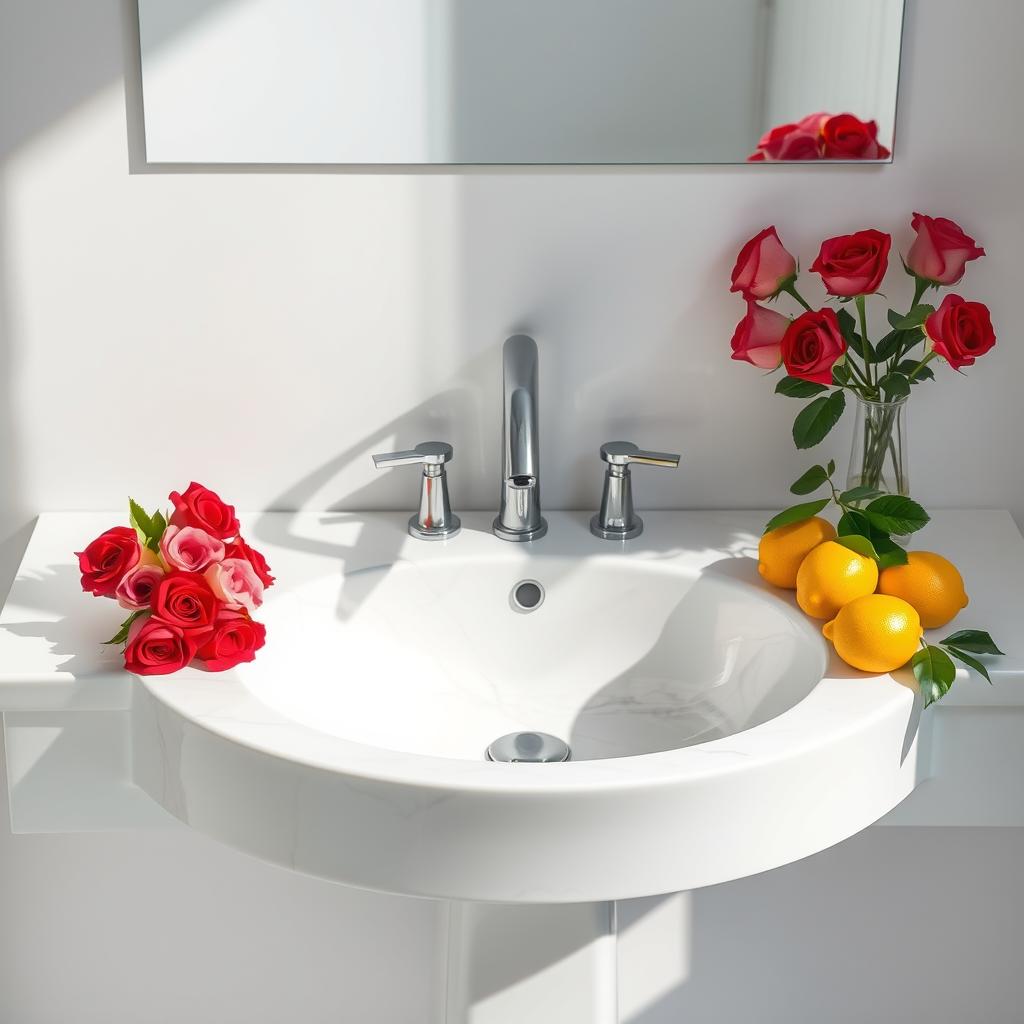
712	737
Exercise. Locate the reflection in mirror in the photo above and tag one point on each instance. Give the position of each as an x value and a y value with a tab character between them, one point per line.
518	81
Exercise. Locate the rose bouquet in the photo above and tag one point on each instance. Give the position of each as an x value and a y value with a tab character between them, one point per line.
827	352
821	136
190	584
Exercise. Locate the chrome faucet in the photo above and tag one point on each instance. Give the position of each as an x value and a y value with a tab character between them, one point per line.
519	517
617	519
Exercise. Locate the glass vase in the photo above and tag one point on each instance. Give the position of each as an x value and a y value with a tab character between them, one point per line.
878	458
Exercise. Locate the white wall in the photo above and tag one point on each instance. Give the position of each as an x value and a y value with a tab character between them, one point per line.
265	332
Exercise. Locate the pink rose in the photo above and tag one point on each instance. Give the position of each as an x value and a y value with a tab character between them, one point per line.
135	591
189	548
941	250
763	266
235	582
758	337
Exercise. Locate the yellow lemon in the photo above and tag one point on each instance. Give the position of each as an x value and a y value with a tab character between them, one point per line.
781	551
831	576
876	633
930	583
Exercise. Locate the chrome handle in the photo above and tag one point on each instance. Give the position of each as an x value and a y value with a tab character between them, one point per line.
617	519
435	519
427	453
622	453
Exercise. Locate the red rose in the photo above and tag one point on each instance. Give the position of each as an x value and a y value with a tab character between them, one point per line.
105	561
156	647
853	264
846	137
941	250
235	638
185	600
960	331
240	549
763	266
790	142
799	141
811	346
201	508
758	337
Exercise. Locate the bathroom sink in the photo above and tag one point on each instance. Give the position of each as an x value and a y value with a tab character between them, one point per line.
711	737
618	657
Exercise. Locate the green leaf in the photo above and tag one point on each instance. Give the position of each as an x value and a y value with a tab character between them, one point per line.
851	522
122	634
914	318
895	385
810	481
831	467
889	552
841	373
860	544
860	493
817	418
934	671
908	366
139	520
159	525
977	641
970	662
894	318
796	513
794	387
894	343
859	345
894	513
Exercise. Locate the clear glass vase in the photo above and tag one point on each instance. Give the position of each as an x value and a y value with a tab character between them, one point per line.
878	458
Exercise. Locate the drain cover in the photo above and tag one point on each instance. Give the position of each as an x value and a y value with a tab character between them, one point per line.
528	747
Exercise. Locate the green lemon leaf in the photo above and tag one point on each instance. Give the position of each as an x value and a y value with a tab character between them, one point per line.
796	513
810	481
970	662
817	418
935	673
794	387
889	552
859	493
976	641
914	318
855	542
894	513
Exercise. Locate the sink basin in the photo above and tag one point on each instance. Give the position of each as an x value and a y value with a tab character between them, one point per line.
711	737
622	657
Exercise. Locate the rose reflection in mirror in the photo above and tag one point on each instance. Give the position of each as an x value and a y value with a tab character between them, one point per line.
821	136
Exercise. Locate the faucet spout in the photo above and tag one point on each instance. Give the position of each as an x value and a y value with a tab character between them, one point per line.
519	517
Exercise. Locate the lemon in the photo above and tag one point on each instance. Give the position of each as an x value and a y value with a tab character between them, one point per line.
876	633
930	583
832	576
781	551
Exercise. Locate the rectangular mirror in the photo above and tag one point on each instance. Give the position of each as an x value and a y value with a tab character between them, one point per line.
518	81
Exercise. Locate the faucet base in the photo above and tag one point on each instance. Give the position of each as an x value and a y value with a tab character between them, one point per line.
519	536
634	529
450	529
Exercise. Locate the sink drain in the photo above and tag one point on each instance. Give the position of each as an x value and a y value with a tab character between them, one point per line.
527	596
528	748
